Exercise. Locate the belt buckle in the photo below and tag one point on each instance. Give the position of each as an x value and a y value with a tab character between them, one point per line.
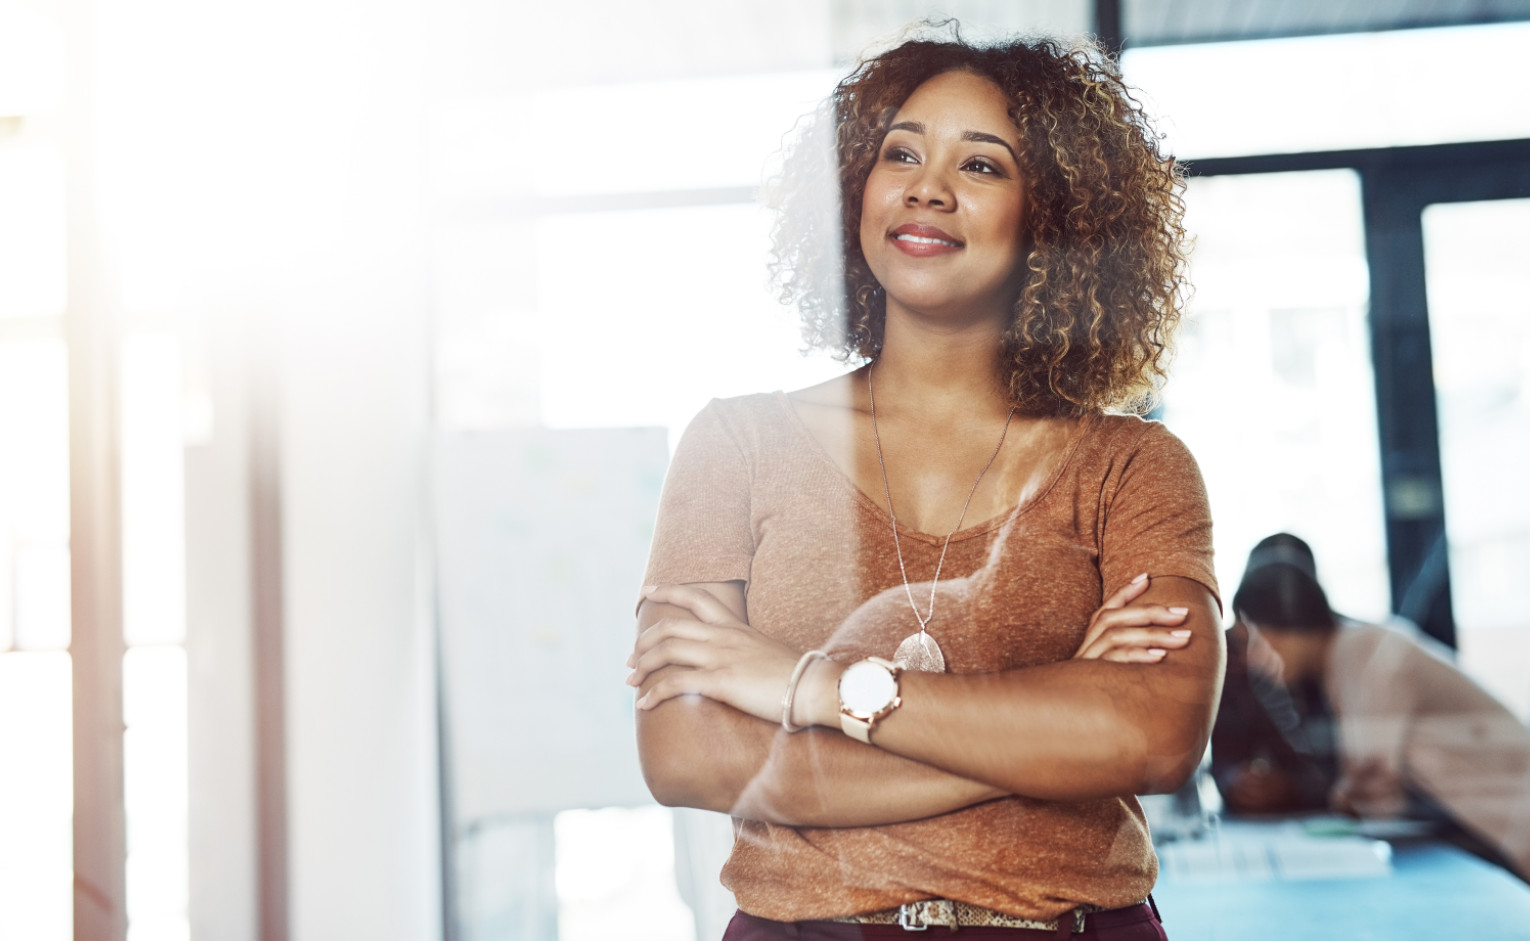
920	915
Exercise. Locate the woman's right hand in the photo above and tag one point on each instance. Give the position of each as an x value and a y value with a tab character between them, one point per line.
1141	634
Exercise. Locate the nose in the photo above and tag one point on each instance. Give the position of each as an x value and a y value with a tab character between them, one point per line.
930	188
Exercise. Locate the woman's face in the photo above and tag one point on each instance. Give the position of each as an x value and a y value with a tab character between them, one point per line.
943	207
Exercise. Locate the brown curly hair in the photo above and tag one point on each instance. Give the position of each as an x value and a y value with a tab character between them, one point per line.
1091	328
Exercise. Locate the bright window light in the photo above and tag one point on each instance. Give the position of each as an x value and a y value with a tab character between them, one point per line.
31	61
1479	325
692	318
32	279
616	876
621	138
36	797
1272	388
1350	91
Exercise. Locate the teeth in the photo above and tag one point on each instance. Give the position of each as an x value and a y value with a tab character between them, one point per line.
924	241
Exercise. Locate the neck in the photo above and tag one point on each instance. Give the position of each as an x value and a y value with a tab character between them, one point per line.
941	368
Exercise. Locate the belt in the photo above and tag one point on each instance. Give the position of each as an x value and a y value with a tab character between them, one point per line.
925	913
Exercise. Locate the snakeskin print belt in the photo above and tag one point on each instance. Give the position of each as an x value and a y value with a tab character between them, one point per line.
917	916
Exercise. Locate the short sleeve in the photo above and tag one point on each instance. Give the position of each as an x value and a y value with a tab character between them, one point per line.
703	532
1158	519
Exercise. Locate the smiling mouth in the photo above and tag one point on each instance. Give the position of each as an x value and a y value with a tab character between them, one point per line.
922	240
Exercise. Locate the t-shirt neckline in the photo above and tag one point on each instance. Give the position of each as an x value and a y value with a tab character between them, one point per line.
868	502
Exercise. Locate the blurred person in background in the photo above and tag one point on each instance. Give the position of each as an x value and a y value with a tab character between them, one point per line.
1320	712
939	714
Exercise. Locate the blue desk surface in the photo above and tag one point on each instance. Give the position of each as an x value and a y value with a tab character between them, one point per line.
1434	891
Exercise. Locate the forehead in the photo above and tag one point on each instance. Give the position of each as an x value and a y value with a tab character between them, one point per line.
960	101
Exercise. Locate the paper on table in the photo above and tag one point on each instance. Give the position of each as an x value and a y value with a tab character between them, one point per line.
1259	852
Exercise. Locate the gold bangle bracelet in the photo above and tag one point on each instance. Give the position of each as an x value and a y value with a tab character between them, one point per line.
791	688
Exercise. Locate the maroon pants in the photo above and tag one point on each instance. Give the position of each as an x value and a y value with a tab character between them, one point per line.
1134	923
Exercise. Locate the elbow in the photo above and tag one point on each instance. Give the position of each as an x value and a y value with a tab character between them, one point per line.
672	777
679	766
1168	769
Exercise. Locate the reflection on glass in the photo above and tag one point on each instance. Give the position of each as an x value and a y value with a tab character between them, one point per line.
1272	388
1479	321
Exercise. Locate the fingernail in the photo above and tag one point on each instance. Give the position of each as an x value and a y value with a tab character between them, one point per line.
1140	579
1180	633
642	702
631	661
649	589
630	677
1179	610
1157	653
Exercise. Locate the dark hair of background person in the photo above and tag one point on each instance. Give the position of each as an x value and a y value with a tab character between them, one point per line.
1282	596
1103	224
1283	547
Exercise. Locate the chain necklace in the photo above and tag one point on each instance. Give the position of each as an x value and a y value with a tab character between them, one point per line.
919	651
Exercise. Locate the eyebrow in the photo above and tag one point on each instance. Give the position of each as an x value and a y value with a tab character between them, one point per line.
979	137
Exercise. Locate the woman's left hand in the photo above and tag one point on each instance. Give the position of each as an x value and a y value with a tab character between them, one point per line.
724	659
1126	633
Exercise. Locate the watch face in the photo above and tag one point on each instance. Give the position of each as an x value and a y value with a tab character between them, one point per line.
866	689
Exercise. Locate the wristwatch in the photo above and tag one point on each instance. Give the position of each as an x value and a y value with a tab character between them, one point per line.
868	690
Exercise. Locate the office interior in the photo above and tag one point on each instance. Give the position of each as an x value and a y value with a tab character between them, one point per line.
322	323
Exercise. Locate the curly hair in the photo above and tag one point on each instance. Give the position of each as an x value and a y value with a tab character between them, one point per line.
1091	328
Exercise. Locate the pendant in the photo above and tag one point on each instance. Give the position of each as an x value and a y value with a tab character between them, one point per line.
920	652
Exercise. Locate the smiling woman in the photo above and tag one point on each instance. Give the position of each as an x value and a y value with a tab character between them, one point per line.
916	719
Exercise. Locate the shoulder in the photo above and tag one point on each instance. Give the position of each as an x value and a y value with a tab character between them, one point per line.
745	425
743	411
1135	430
1129	442
1390	647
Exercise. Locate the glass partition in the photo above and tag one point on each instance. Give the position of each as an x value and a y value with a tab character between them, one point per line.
1272	388
1479	325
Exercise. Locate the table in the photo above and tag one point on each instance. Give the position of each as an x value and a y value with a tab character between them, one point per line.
1431	890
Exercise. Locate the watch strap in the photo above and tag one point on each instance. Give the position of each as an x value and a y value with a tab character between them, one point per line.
858	729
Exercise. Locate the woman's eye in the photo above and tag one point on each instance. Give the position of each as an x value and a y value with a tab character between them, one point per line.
898	155
981	166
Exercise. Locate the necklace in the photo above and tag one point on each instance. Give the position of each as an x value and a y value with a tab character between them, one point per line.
919	651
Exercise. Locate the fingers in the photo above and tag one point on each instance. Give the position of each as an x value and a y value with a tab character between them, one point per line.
1128	592
1135	644
670	641
1108	619
1131	655
677	683
700	602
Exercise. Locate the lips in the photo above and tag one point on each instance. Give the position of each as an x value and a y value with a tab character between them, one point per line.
923	240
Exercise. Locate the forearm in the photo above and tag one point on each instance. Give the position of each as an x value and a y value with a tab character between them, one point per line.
1067	731
699	753
1073	730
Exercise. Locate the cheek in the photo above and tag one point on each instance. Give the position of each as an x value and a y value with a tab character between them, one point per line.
1014	224
874	200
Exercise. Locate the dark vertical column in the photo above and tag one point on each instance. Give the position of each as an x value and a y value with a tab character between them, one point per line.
1107	25
95	531
1406	420
269	629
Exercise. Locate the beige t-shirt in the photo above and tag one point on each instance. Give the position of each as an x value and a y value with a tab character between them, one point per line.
751	496
1408	715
